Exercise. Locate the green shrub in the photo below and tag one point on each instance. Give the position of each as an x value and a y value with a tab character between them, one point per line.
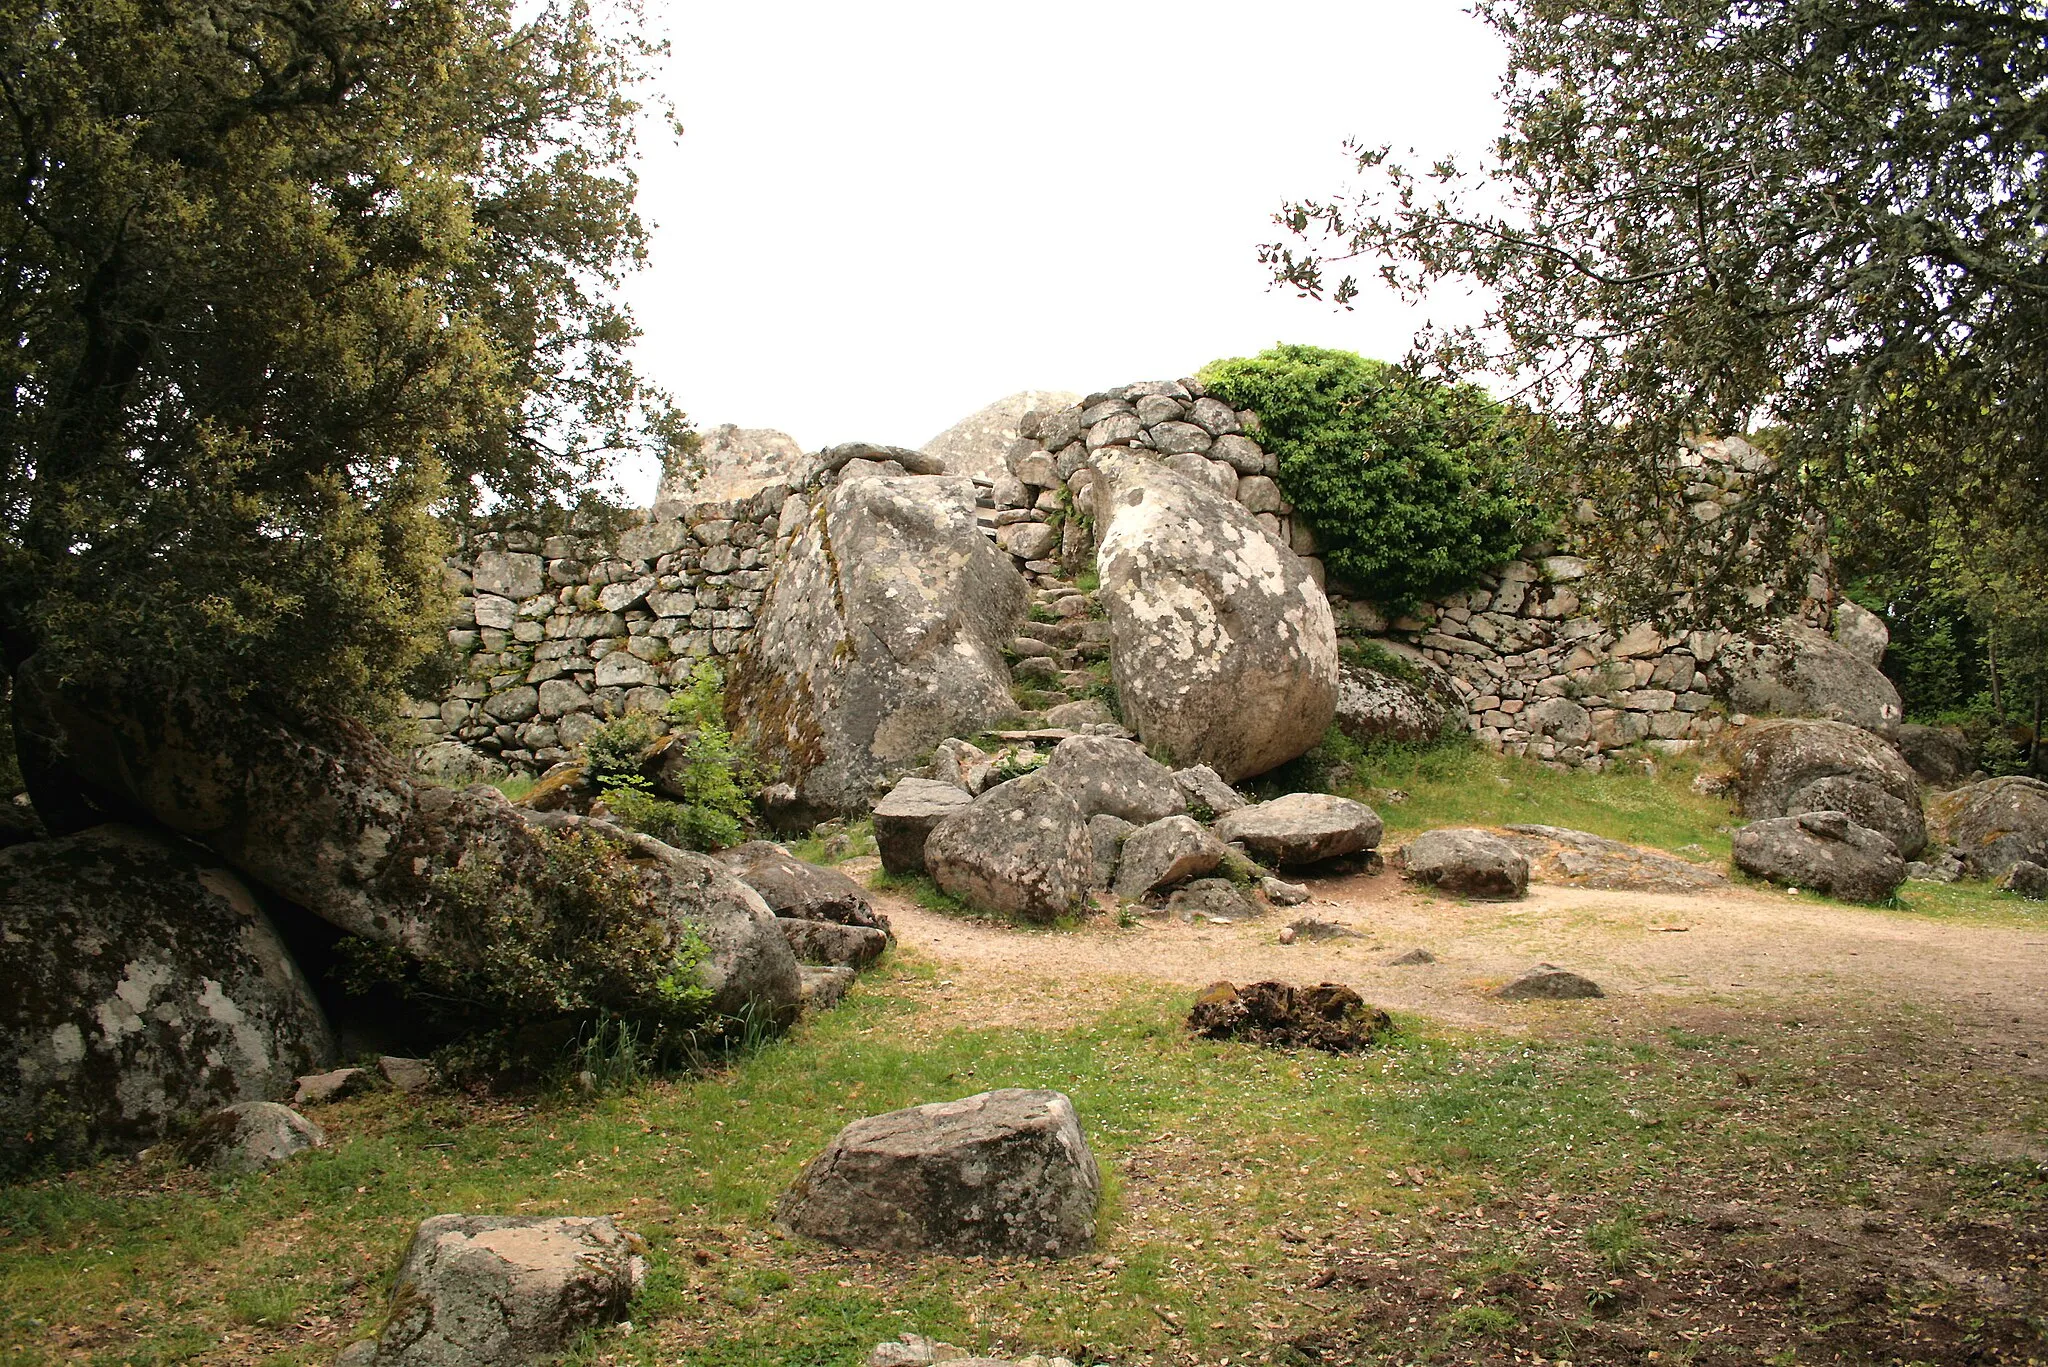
614	753
1405	481
705	772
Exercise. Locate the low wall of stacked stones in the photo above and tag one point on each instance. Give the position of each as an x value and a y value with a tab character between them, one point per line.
553	633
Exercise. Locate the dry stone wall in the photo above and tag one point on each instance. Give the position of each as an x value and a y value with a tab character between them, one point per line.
556	632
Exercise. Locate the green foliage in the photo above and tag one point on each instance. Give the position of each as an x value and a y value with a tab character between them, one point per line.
614	753
704	773
1405	480
283	281
563	928
685	825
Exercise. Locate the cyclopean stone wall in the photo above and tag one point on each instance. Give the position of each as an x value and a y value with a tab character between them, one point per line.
553	633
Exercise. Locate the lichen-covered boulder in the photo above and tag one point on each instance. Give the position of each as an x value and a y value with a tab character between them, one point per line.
1222	646
1825	851
979	442
1020	849
1940	755
1374	705
250	1136
1466	863
881	636
1994	824
1798	671
1000	1174
328	818
1786	767
139	986
829	943
1170	850
1303	828
506	1290
798	890
1115	777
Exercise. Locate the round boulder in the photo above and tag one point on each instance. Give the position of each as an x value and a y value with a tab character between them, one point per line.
1784	768
139	986
1467	863
1302	828
1994	824
1223	647
250	1137
1825	851
1000	1174
1021	849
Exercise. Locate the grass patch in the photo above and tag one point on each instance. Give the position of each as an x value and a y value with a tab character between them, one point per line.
920	888
834	842
515	786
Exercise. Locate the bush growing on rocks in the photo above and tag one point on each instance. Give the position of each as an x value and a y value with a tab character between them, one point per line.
1405	480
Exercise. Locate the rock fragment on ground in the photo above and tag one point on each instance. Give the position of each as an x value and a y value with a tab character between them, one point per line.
250	1137
1548	982
1206	791
915	1350
506	1290
1302	828
1328	1016
321	1089
1467	863
2026	879
1825	851
824	986
1020	849
1001	1174
1214	900
905	818
1578	859
1168	851
1282	893
827	942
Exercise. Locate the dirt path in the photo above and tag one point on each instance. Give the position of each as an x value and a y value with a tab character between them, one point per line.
1736	951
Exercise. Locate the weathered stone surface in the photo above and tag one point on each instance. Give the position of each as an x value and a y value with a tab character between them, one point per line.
407	1075
250	1136
1561	720
1002	1174
1939	755
1302	828
1223	647
1028	540
977	443
1163	853
1577	859
1020	849
1777	762
1994	824
961	763
451	763
735	463
321	1089
1115	777
332	821
1373	705
825	985
1212	900
1328	1016
881	636
507	1290
905	818
915	1350
1467	863
795	889
1861	632
1206	791
1825	851
2026	879
870	460
1072	716
1282	893
1869	806
139	985
829	942
1801	672
1545	982
1106	838
506	574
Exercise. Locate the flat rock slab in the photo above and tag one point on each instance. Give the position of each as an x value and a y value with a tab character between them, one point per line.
1467	863
915	1350
803	891
1578	859
1164	853
250	1137
319	1089
1004	1174
1303	828
1548	982
905	818
826	942
1328	1016
504	1290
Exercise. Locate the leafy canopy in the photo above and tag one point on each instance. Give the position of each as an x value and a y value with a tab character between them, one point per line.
1404	480
280	280
1706	215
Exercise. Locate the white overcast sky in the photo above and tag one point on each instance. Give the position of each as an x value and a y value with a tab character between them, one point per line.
881	217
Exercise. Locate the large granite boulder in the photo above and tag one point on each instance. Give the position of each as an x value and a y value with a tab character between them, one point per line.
1784	768
1000	1174
1222	646
1994	824
733	463
1798	671
1861	632
1467	863
1020	849
1825	851
800	891
1374	705
505	1290
1170	850
1581	860
328	818
140	985
1111	777
1941	755
905	819
1303	828
882	635
978	444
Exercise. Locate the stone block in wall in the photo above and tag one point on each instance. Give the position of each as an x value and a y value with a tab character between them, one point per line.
1154	409
1258	493
1638	641
1244	455
1114	430
1650	700
1176	438
1101	409
490	610
619	597
1215	417
1675	672
508	574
